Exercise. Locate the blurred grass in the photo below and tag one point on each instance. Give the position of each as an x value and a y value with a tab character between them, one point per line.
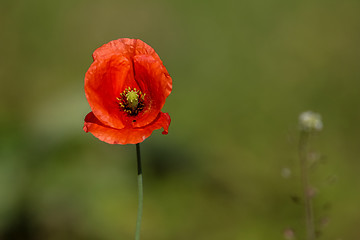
242	72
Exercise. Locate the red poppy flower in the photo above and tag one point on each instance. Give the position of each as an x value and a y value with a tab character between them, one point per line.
126	87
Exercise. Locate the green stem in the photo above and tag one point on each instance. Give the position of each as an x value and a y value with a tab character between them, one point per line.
140	193
303	154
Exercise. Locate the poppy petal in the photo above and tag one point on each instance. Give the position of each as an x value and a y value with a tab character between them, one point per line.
153	79
102	83
126	47
125	135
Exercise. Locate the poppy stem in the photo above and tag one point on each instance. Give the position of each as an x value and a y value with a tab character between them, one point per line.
140	193
303	154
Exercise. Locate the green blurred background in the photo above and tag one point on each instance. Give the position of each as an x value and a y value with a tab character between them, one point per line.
228	169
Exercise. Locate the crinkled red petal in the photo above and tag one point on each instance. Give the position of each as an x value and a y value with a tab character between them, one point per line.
126	47
102	85
125	135
153	80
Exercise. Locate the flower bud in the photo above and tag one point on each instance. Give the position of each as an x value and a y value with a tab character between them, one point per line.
310	122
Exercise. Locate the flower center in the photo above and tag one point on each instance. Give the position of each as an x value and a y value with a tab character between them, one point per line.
132	98
131	101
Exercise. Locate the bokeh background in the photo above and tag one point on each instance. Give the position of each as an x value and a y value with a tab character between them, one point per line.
242	73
